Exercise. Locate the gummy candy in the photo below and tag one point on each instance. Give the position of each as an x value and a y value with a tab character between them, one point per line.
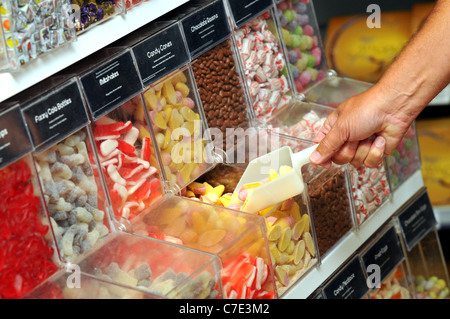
25	257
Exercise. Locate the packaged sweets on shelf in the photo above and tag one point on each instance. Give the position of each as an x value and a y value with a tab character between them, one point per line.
30	29
238	239
262	57
87	14
64	155
128	266
301	36
27	246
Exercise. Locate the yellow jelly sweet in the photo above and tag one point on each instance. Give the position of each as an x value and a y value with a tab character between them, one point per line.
198	222
151	99
160	122
299	251
273	175
297	229
143	132
182	88
168	91
309	243
274	232
211	237
284	240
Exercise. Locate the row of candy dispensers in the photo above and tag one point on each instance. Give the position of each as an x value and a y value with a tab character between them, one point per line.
145	213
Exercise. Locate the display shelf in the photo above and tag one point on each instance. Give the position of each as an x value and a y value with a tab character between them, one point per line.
348	245
86	44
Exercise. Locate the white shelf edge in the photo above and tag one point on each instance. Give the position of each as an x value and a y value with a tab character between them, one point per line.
348	245
87	43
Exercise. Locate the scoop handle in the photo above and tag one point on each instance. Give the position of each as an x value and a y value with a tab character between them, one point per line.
301	158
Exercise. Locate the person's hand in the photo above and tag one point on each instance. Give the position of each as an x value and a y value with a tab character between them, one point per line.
362	130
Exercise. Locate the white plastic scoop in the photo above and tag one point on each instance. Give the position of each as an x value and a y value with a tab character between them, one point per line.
279	189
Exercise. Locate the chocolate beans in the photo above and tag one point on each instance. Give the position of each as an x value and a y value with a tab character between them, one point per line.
330	207
220	90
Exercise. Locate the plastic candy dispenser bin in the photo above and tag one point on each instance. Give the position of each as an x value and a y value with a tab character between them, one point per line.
219	76
290	232
428	270
28	253
331	206
177	122
395	286
238	239
128	159
66	165
262	56
300	120
131	266
300	35
405	160
66	284
73	191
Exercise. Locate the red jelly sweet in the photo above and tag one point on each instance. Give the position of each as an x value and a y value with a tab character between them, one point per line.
25	257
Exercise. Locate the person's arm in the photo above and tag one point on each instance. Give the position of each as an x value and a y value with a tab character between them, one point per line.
366	127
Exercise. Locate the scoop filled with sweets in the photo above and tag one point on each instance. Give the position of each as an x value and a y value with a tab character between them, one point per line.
271	179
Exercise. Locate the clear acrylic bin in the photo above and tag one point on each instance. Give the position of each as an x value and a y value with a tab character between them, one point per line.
128	159
301	36
299	120
371	188
128	266
395	286
63	285
177	122
238	239
290	233
74	195
262	56
428	269
223	94
28	254
405	160
331	206
333	90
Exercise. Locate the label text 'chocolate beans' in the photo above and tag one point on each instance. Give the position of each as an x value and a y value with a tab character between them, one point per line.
220	89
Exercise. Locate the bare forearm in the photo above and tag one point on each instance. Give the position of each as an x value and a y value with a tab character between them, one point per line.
422	69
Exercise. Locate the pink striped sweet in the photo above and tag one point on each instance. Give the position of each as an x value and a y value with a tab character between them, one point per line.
263	60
